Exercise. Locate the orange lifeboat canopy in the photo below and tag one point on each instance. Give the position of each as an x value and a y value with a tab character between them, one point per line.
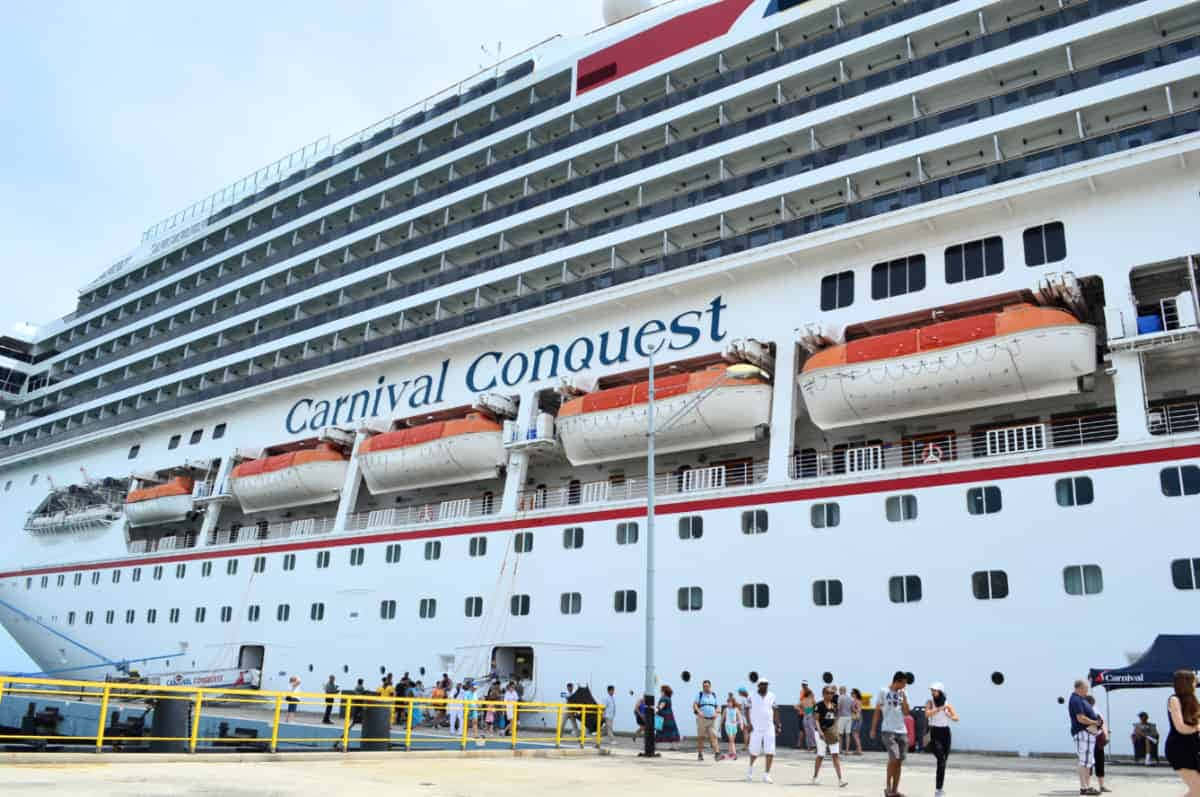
324	452
945	335
180	485
630	395
473	423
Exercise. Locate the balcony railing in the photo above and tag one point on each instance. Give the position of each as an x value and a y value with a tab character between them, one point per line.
946	448
1174	418
441	512
666	485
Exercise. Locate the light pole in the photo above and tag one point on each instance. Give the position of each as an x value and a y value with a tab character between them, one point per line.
736	371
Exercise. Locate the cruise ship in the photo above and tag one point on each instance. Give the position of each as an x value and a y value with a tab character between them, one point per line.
917	282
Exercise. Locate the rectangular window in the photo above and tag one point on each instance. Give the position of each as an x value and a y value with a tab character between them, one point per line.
627	533
904	589
391	554
130	614
157	573
523	542
1046	243
901	508
756	596
45	581
690	599
387	610
322	559
1083	580
173	616
180	570
691	527
754	521
197	436
173	443
135	575
570	603
825	516
837	290
357	556
316	612
474	606
218	431
200	612
983	500
974	259
151	616
1076	491
70	618
231	567
226	614
827	592
79	576
260	564
428	608
898	277
477	546
289	561
1177	481
518	605
1185	573
133	452
989	584
109	616
283	612
88	617
205	569
116	578
253	612
625	601
573	537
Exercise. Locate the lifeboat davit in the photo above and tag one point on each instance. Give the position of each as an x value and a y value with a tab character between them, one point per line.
298	478
611	424
1022	352
162	503
442	452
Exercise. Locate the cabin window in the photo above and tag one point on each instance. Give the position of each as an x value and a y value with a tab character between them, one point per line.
625	601
260	564
756	596
79	576
45	582
427	609
196	437
1177	481
1046	243
218	431
253	612
983	500
690	599
226	614
570	603
180	570
323	559
231	567
691	527
151	616
1076	491
904	589
433	550
205	569
974	259
474	606
62	579
116	578
627	533
1083	580
477	546
283	612
173	443
523	542
901	508
88	617
827	592
109	616
316	612
1185	573
173	616
357	556
837	290
825	516
135	575
518	605
754	521
573	537
133	452
898	277
989	585
95	577
130	615
391	554
200	612
70	618
387	610
289	561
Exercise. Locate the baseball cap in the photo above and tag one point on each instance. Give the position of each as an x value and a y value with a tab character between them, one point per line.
762	679
744	688
938	686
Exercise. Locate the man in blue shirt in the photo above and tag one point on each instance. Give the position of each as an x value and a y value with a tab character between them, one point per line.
705	708
1083	717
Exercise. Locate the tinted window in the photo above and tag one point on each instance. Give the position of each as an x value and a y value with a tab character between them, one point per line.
756	596
1076	491
691	527
837	290
754	521
1046	243
904	589
974	259
827	593
1185	573
1179	481
1083	579
898	277
690	599
825	516
983	500
989	584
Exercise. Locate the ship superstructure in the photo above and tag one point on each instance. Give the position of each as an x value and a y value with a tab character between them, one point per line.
389	411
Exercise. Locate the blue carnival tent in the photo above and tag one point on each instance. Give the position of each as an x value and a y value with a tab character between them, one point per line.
1156	667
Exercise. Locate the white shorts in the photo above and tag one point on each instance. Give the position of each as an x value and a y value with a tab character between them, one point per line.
1085	749
762	742
844	725
824	748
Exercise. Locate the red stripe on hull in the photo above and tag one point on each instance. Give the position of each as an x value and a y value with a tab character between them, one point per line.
1074	464
658	43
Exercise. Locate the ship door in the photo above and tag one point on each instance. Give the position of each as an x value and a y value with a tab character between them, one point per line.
250	657
513	662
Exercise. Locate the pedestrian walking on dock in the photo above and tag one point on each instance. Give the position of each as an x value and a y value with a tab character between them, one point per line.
939	713
1183	743
763	724
804	708
610	711
825	716
734	720
568	715
856	722
294	688
889	716
331	688
666	730
1083	718
845	710
1101	740
704	707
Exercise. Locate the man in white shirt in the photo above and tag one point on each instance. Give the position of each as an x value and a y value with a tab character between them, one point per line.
764	724
610	711
510	698
889	714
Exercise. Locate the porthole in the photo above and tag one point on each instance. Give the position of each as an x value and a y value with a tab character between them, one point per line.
685	676
422	671
753	676
382	669
310	668
1061	700
827	677
998	678
912	679
345	668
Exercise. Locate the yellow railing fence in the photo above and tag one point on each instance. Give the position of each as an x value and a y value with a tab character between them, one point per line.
411	722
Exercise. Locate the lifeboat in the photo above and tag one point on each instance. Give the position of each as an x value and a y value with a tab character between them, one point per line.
611	424
163	503
442	452
298	478
1020	353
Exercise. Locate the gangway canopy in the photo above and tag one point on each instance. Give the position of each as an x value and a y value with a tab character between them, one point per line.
1156	668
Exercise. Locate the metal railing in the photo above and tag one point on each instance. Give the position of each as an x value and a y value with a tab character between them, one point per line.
421	719
683	482
941	449
1174	418
440	512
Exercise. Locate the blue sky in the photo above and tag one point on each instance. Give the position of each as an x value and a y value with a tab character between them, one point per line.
114	115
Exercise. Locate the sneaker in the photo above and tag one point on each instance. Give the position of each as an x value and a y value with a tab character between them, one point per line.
939	793
813	781
750	776
767	778
843	784
699	756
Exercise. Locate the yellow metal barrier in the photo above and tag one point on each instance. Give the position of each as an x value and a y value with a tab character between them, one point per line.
445	723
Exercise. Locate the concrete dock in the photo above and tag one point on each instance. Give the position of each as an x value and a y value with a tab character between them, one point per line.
580	773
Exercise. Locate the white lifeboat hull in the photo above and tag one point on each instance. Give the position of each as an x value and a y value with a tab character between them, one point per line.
167	509
298	485
1025	365
447	460
730	414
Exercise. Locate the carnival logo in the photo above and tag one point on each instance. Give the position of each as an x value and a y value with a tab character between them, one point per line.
496	369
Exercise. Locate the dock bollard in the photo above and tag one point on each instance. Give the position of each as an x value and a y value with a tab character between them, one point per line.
376	726
171	726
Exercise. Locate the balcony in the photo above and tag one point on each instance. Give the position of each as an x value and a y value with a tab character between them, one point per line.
1177	418
696	481
442	512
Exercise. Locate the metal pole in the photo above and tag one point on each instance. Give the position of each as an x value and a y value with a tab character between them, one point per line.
649	750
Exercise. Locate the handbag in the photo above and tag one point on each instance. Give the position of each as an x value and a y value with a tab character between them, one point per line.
658	723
